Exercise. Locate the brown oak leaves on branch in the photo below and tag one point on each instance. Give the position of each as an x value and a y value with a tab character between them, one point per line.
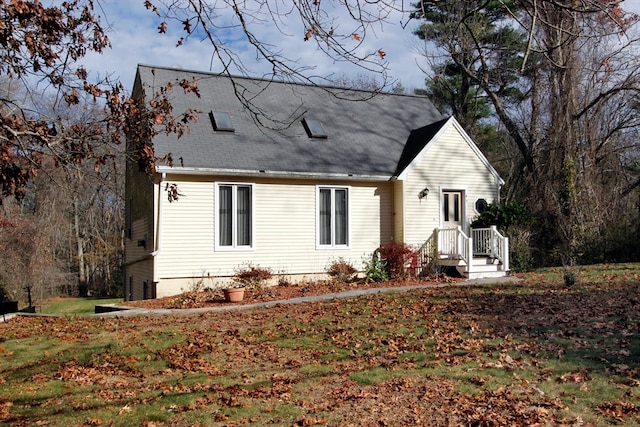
41	44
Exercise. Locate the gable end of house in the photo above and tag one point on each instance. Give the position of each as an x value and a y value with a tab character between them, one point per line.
421	140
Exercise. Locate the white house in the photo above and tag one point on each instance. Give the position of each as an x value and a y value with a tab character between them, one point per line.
333	173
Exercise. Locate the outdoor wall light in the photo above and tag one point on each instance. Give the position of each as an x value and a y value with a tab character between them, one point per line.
424	193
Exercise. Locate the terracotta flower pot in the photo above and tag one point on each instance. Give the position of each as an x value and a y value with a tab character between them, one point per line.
234	294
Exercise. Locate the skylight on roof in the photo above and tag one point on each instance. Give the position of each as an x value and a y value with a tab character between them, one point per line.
314	128
221	121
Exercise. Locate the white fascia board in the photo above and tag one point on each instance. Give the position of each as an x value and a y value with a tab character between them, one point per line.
266	173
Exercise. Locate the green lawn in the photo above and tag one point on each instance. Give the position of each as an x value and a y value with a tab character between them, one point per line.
70	306
528	353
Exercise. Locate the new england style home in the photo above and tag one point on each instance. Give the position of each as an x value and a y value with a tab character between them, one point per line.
298	178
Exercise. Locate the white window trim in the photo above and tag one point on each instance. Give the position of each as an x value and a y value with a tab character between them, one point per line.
234	248
332	246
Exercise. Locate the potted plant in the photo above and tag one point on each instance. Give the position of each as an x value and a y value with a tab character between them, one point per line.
245	278
234	294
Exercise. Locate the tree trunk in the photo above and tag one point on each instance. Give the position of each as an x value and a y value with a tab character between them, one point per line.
82	276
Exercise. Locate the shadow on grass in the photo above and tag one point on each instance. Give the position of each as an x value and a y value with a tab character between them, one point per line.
84	305
592	326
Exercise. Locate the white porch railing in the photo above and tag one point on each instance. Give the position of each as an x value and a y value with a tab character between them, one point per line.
428	252
454	244
446	243
489	242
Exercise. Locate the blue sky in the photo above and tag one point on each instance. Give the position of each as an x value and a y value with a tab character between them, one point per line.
135	39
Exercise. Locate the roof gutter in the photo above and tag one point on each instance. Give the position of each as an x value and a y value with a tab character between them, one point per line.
272	174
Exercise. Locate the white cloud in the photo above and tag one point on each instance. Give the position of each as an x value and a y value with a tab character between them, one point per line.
135	39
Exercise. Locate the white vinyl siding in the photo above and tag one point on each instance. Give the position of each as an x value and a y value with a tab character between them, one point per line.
398	211
140	194
137	274
450	164
284	231
187	231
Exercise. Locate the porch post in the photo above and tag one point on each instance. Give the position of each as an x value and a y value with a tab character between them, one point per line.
505	254
470	254
494	242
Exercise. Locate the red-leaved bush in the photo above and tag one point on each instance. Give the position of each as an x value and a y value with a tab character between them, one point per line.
399	258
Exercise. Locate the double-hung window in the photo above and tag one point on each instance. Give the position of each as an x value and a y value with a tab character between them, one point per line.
234	212
333	217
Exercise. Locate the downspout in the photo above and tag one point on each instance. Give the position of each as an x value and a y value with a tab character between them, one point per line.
158	229
499	183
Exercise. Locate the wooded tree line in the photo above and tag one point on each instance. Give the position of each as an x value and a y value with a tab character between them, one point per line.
63	234
550	91
64	237
61	152
548	88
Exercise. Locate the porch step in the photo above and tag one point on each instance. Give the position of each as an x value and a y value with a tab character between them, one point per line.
482	261
483	267
484	274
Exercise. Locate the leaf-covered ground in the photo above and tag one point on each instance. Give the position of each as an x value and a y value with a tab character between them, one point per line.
520	354
199	298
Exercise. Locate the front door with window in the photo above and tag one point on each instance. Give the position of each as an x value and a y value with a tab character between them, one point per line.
452	209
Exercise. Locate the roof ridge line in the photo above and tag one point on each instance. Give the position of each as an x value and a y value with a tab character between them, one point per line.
274	80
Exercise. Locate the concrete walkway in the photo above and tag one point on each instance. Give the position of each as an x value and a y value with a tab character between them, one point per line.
123	311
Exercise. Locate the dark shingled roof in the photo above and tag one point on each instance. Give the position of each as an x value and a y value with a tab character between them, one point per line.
371	138
418	139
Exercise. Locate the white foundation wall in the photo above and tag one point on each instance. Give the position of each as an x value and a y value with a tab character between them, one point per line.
284	230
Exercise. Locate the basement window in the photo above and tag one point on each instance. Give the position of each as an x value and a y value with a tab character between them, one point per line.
221	121
314	128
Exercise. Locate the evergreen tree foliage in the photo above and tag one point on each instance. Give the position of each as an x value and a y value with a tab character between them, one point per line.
558	79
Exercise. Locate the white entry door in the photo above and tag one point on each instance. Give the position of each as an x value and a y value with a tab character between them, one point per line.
452	208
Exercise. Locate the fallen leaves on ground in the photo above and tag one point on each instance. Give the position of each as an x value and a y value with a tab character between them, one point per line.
215	298
515	354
